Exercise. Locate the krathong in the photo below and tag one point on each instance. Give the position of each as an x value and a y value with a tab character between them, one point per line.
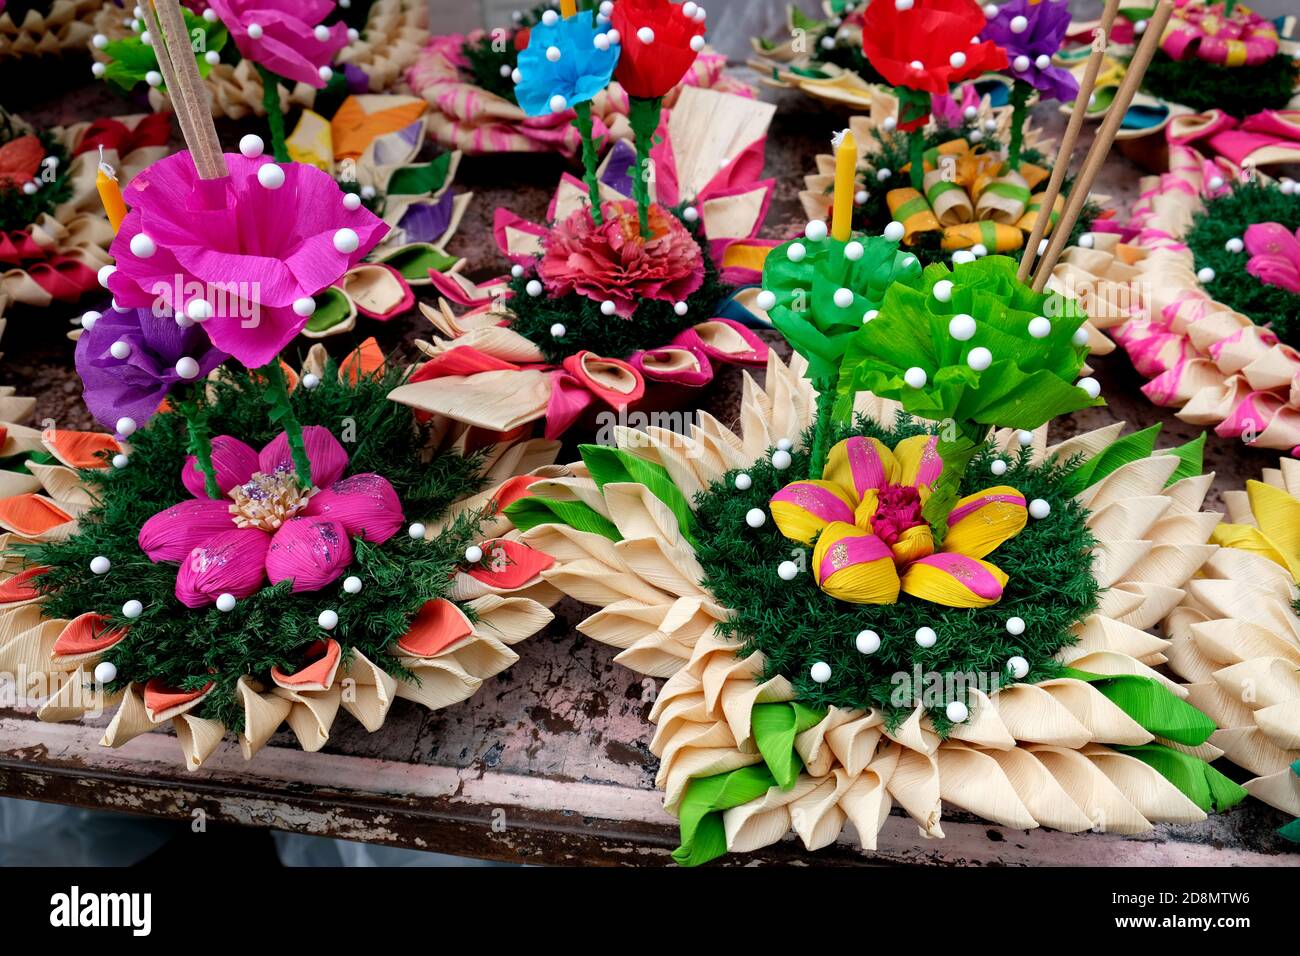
596	317
274	585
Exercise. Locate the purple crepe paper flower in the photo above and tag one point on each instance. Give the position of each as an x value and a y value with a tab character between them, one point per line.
250	256
133	387
1046	25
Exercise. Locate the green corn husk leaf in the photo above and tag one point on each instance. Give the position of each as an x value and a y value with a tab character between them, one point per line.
532	511
703	837
1152	705
1199	782
608	465
775	727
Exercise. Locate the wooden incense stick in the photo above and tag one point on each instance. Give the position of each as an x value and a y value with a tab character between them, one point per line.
207	148
1047	202
1105	138
162	54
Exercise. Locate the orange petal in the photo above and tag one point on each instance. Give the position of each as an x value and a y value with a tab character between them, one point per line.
81	449
439	625
366	359
508	565
316	675
511	491
30	515
86	634
19	587
162	702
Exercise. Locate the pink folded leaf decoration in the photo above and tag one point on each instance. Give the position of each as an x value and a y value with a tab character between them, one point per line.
1274	255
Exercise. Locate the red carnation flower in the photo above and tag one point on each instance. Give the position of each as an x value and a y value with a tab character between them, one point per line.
654	61
929	46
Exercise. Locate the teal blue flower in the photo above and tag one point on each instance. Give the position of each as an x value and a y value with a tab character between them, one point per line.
567	62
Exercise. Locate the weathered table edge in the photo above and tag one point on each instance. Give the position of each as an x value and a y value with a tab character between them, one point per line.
499	816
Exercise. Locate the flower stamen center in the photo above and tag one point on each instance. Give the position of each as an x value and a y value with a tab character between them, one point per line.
897	510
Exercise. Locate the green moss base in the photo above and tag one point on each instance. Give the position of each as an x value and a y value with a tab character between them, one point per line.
1227	217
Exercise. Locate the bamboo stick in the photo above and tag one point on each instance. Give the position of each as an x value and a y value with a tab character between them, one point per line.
1066	152
163	54
1105	138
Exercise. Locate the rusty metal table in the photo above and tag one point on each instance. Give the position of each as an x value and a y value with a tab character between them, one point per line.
549	762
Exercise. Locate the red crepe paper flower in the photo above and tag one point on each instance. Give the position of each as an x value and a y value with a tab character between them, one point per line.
648	70
929	46
613	263
282	36
244	254
20	160
270	528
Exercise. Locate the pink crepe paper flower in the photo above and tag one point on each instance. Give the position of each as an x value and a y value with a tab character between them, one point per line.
270	528
281	35
256	255
1274	255
612	263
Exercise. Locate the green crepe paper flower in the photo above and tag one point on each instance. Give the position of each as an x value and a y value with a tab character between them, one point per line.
1030	380
956	318
133	59
803	277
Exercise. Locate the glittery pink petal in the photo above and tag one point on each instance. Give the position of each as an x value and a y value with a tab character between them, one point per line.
233	461
171	534
327	457
232	562
366	505
311	552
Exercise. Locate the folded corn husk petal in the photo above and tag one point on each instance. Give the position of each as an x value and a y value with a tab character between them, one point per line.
1236	639
307	701
1030	755
77	228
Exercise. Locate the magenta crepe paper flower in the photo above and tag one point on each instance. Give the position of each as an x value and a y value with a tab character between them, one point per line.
281	35
133	387
250	254
270	528
613	263
1047	22
1274	255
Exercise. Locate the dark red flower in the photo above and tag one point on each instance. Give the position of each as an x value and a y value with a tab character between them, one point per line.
648	70
930	45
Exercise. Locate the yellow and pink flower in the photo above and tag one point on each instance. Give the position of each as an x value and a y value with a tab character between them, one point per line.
872	541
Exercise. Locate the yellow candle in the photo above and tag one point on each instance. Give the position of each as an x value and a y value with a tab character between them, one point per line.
110	194
846	171
568	8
